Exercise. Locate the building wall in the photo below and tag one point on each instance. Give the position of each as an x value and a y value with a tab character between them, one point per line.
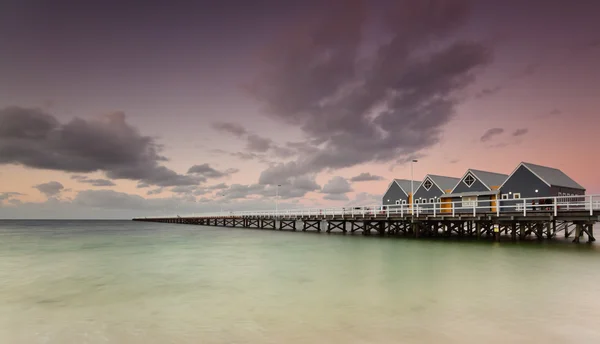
525	183
477	186
422	193
394	193
483	201
563	190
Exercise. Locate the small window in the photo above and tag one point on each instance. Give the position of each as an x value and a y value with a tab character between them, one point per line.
417	201
397	202
427	185
431	200
469	201
504	196
516	195
439	200
403	201
469	180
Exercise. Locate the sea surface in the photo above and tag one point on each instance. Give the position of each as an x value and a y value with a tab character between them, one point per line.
134	282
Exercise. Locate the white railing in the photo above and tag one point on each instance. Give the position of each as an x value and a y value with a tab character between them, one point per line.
522	206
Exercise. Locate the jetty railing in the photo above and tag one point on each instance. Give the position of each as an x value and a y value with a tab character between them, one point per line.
519	206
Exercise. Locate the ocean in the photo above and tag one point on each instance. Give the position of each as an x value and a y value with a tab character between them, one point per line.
137	282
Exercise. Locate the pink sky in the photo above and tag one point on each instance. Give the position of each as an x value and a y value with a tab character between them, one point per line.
174	77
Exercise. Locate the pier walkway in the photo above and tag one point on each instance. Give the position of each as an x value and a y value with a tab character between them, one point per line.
515	219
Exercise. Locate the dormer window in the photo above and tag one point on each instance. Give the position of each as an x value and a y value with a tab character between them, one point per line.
469	180
427	185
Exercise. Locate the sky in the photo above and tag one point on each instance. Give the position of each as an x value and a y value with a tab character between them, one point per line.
113	109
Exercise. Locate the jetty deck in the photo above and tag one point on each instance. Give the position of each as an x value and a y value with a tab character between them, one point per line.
521	219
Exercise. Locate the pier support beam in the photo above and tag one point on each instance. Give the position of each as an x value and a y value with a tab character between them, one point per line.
336	224
308	224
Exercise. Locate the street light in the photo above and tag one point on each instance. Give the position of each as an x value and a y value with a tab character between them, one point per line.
221	205
277	200
412	188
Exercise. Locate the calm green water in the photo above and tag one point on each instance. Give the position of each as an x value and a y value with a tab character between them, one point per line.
128	282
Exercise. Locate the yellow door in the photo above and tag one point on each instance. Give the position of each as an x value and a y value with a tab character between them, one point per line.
446	205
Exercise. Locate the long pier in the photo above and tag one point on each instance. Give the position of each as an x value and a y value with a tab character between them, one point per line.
524	220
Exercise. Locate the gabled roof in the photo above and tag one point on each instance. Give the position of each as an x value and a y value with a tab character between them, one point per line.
550	176
442	182
404	184
488	179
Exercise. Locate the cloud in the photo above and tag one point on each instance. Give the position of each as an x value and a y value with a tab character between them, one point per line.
520	132
528	70
490	133
336	197
257	147
555	112
9	195
220	186
33	138
93	182
486	92
384	107
294	187
154	191
204	171
365	199
50	189
258	143
118	205
336	186
365	177
110	199
184	189
230	128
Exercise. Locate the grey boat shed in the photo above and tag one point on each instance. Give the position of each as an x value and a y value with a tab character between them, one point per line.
399	192
530	180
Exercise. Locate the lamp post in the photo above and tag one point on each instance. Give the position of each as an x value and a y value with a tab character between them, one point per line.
221	205
277	200
412	188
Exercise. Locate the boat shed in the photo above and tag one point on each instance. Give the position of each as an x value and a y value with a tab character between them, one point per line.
474	187
433	187
530	180
399	192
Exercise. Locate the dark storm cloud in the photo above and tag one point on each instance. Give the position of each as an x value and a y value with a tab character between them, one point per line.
50	189
490	133
520	132
93	182
204	171
337	186
361	110
365	177
33	138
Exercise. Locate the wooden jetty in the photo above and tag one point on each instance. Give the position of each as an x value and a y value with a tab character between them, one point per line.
520	220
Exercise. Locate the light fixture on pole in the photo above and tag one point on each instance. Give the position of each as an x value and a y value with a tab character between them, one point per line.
277	200
221	205
412	188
